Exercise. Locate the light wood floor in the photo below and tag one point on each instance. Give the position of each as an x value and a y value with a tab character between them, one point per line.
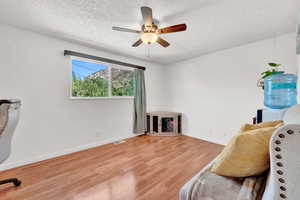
144	168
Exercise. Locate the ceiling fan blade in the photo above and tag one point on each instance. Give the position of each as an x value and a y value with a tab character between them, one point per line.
115	28
137	43
147	15
162	42
173	29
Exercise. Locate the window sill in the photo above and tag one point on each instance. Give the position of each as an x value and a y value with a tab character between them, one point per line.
101	98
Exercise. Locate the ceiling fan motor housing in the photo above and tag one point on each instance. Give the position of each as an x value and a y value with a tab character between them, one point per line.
149	28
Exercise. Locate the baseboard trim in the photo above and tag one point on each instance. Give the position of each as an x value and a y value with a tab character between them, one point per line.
205	139
6	166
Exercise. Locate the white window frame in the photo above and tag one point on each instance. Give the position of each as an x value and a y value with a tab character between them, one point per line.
109	67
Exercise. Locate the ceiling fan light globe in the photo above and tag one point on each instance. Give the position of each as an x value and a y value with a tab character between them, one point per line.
149	38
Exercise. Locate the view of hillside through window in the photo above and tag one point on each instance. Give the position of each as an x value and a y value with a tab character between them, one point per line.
100	80
122	82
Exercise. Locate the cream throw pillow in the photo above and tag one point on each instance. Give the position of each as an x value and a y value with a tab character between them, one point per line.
247	154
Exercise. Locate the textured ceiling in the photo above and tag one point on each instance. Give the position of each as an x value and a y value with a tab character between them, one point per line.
212	24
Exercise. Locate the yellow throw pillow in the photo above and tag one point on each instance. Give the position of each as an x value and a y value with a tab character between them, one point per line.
247	154
249	127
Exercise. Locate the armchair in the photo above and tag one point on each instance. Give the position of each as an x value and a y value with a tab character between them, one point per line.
285	161
9	117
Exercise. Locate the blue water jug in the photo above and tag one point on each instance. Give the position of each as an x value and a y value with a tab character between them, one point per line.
280	90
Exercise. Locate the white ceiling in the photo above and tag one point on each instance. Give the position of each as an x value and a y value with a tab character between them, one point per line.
212	24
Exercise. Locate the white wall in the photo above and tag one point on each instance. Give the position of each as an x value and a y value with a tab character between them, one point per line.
217	92
34	69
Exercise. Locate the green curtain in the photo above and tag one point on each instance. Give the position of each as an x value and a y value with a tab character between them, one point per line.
139	125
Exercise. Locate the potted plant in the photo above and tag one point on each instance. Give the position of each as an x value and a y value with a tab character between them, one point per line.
273	69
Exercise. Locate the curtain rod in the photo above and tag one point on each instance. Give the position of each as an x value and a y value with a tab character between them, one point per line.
107	60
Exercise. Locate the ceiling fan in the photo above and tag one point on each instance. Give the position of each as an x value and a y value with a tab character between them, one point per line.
150	31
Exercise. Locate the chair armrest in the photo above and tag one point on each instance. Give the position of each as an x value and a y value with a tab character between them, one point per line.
284	163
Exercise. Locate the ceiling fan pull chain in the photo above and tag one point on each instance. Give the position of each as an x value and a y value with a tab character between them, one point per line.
148	45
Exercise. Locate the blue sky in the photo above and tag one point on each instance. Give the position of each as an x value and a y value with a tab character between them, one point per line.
82	69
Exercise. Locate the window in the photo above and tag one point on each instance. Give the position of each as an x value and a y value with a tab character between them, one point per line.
92	79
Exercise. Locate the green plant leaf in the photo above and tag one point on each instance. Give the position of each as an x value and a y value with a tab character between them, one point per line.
263	73
265	76
274	64
268	73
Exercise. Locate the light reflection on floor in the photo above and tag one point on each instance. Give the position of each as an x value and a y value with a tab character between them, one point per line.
120	186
